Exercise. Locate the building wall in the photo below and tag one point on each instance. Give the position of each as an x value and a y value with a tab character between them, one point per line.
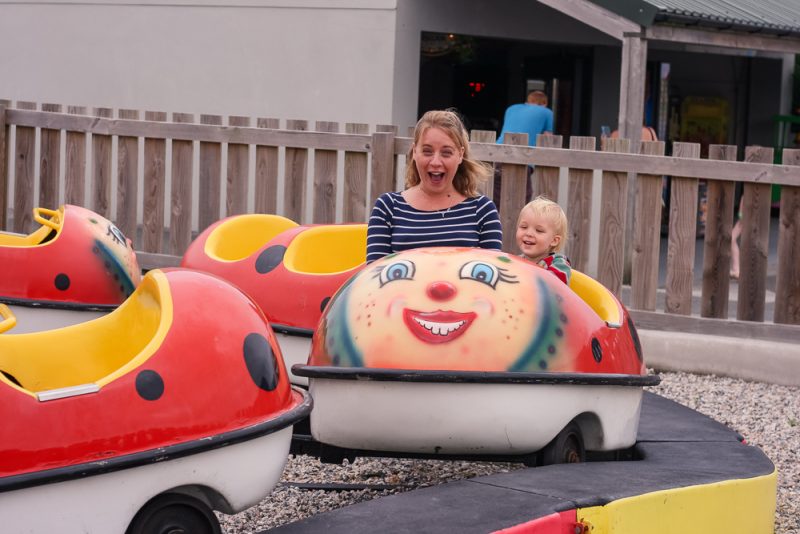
307	59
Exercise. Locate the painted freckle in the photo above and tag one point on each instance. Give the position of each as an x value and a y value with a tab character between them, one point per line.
551	349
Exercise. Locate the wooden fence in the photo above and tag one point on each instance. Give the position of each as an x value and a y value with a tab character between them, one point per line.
356	166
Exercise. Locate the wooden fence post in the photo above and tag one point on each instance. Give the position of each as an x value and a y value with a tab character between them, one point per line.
614	201
756	200
23	174
392	129
294	179
787	285
717	241
238	171
324	194
382	148
210	176
49	159
180	218
155	157
3	164
545	179
484	136
682	236
579	207
355	207
513	191
75	164
127	177
646	237
101	168
266	200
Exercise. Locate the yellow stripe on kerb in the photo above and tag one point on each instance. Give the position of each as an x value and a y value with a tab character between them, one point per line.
744	506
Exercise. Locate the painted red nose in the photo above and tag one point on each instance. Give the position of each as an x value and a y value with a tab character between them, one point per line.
441	290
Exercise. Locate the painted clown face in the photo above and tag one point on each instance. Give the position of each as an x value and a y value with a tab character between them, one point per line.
447	309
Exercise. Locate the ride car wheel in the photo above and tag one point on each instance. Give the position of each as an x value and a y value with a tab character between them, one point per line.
566	448
172	513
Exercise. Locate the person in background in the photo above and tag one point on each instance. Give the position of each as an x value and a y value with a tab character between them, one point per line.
533	118
648	134
441	205
736	233
542	234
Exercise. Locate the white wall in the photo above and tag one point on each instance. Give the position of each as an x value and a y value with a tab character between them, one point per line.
316	60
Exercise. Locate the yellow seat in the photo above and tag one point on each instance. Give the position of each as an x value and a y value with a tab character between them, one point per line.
327	249
238	237
39	235
598	297
93	352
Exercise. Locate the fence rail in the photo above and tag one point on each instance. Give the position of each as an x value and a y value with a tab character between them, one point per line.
118	166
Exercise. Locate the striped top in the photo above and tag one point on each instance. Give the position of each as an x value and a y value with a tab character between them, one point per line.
395	225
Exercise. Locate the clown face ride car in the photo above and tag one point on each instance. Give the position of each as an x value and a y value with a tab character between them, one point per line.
462	351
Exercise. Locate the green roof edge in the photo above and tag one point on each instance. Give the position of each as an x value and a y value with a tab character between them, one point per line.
642	13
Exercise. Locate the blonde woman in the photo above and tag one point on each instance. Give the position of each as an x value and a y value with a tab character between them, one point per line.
441	205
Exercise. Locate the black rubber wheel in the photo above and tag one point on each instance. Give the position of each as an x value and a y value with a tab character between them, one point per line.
172	513
566	448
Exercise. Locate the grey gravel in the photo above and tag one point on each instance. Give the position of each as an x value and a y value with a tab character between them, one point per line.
767	415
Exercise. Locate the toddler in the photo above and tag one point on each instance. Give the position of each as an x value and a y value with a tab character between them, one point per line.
541	234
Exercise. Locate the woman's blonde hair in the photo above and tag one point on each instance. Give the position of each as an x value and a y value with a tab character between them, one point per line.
470	172
545	207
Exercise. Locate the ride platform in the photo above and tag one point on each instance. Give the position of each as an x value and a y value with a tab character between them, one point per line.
689	474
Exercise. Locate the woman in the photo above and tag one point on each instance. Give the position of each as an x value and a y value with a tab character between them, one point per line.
441	205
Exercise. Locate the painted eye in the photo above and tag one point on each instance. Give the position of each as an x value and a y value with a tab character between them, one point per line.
482	272
399	270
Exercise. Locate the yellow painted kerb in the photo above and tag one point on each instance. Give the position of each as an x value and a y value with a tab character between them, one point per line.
732	506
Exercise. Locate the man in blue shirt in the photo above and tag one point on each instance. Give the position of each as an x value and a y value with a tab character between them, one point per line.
533	118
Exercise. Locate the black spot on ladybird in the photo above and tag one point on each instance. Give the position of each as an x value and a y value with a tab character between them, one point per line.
635	337
270	258
597	350
260	361
149	385
62	282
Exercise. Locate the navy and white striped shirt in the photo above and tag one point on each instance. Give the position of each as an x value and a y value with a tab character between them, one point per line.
395	225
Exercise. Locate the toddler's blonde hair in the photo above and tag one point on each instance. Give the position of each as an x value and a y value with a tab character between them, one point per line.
545	207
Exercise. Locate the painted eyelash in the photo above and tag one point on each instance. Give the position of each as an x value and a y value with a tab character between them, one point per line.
510	278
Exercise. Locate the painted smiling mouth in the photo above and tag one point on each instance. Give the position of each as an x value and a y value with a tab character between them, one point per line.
439	326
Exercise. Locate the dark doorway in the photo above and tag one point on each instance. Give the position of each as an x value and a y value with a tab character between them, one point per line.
480	77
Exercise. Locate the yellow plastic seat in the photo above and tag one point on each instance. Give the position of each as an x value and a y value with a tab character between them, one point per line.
93	352
598	297
327	249
239	237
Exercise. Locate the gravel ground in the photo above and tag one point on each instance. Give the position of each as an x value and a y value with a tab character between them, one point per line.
767	415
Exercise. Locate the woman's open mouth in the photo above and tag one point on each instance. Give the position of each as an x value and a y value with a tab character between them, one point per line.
438	326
